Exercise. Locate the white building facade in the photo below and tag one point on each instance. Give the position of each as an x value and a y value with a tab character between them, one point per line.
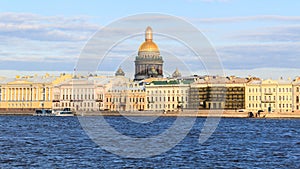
167	95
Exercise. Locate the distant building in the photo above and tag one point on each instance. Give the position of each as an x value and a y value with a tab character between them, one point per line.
29	92
123	94
76	94
148	63
296	94
214	92
120	72
85	94
167	95
269	95
176	74
149	90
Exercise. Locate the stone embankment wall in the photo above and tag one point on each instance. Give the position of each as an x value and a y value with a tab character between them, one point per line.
185	113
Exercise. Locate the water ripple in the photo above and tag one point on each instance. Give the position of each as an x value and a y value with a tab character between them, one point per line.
52	142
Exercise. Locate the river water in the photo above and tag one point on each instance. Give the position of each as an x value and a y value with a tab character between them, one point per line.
60	142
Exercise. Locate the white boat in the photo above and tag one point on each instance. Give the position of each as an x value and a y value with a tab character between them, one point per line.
64	113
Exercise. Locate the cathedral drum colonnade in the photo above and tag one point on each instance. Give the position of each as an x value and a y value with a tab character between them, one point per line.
148	63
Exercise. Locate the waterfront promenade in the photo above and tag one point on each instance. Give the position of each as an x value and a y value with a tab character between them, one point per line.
189	113
203	113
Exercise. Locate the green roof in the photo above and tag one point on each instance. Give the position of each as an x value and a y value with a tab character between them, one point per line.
171	82
187	81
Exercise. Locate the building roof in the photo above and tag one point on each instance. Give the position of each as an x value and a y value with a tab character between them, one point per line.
120	72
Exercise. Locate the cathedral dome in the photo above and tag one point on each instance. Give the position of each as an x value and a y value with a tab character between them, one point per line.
148	45
148	62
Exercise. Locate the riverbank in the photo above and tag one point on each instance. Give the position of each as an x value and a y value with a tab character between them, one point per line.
189	113
186	113
16	113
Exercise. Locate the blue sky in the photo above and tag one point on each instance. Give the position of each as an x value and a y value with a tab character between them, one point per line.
249	36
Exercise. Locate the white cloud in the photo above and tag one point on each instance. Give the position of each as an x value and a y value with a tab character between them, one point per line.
29	41
45	28
55	39
281	33
265	73
247	18
251	56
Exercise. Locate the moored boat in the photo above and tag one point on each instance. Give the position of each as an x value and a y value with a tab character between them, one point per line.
43	112
64	112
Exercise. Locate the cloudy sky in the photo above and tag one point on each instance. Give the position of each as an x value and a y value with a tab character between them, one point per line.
259	38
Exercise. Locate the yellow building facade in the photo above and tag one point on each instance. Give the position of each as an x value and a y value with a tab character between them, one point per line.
269	96
28	93
124	95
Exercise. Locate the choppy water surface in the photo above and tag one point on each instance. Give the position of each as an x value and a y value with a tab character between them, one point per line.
60	142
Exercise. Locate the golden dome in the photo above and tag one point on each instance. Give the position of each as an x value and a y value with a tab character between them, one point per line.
148	45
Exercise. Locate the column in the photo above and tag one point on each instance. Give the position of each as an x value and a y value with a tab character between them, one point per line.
19	94
26	94
30	93
37	94
8	94
22	94
15	94
34	90
5	94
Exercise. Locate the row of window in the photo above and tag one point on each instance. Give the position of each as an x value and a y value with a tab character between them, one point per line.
164	91
78	90
270	98
165	106
129	107
133	91
84	104
269	105
156	99
117	99
269	90
78	97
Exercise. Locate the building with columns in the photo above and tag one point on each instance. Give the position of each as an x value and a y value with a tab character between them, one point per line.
28	93
148	63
